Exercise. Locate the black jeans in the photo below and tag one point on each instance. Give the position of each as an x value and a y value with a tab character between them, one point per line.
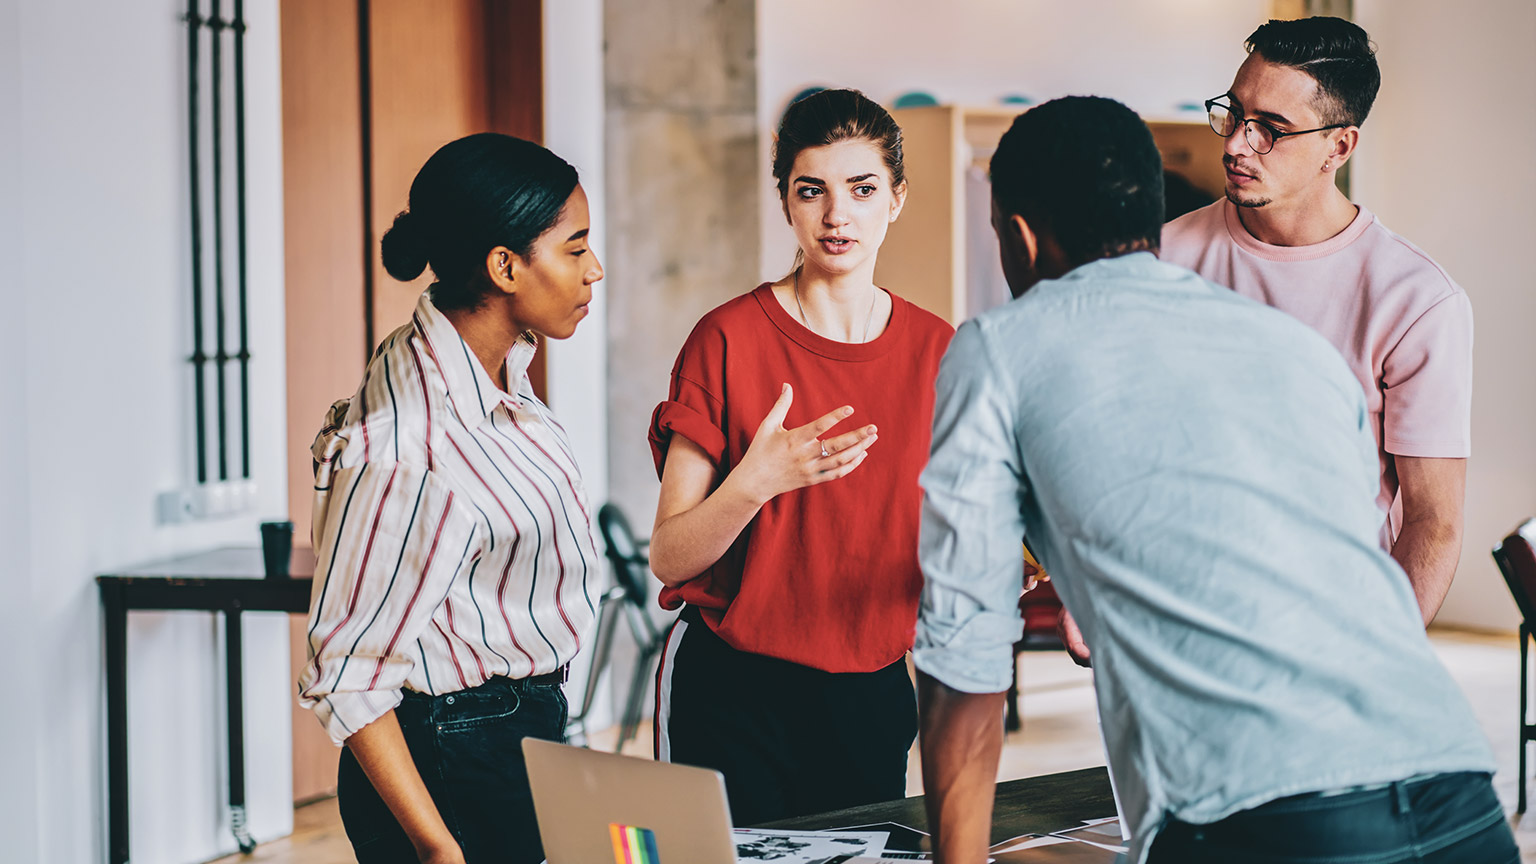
789	739
468	747
1441	819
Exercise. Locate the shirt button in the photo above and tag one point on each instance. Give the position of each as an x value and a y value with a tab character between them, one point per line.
450	700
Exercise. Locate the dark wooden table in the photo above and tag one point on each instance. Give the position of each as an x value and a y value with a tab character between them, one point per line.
222	580
1034	805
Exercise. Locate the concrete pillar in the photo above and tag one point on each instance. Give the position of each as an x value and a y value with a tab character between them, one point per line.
681	79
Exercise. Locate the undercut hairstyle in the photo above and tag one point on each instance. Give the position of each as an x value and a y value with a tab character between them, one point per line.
1337	54
474	194
829	116
1086	170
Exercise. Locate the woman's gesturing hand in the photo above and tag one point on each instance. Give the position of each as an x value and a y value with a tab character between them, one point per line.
780	460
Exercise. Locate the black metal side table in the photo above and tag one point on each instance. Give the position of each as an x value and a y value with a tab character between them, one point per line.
222	580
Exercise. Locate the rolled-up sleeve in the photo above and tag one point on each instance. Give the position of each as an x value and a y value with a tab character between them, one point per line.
972	527
693	413
393	539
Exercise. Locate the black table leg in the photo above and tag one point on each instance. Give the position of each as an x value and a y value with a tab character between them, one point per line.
235	681
115	617
1525	728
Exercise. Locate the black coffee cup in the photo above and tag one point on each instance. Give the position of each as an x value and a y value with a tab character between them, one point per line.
276	548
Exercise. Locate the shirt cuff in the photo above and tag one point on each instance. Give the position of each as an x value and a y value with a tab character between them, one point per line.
343	714
1428	449
975	657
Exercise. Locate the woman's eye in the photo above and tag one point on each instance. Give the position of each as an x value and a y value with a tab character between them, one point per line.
809	191
864	190
578	253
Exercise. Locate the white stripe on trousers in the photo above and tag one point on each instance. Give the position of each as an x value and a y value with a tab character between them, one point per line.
664	692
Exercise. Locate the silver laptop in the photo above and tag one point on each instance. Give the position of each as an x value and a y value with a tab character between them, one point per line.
580	795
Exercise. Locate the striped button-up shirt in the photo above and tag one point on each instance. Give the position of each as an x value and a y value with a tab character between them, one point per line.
453	537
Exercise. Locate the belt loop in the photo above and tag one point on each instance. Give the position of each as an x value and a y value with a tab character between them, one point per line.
1400	796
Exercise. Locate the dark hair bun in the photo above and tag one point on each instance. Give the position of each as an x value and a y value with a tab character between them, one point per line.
404	249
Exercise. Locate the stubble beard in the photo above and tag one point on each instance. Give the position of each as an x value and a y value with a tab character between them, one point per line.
1253	203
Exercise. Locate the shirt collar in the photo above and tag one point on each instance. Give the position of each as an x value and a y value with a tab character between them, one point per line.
1142	264
471	390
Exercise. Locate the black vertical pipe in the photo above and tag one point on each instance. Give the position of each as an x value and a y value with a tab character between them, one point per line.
365	94
238	24
199	359
221	355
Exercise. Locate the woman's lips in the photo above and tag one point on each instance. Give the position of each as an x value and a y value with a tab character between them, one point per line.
836	245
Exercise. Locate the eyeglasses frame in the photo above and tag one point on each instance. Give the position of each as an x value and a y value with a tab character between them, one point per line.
1274	134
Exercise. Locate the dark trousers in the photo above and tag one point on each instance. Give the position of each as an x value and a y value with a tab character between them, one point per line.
1442	819
468	747
789	739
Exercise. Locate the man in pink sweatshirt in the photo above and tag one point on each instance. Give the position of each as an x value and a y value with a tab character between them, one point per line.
1286	236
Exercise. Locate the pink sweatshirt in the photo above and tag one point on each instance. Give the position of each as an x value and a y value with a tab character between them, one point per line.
1402	324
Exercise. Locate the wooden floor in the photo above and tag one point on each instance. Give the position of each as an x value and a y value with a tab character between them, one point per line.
1060	734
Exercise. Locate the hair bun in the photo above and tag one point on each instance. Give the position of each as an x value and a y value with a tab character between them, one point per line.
404	248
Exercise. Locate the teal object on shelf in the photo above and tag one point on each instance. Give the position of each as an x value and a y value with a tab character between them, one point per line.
915	99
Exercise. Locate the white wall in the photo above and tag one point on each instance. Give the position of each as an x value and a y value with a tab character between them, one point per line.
18	729
578	394
94	346
1153	55
573	128
1444	161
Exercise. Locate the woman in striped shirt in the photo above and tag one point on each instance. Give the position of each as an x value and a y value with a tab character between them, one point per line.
456	559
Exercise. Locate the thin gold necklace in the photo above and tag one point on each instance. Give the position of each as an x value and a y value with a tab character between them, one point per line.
868	319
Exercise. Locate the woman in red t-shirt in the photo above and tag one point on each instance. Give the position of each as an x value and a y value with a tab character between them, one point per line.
789	451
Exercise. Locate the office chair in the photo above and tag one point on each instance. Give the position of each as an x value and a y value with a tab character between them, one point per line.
631	569
1516	557
1039	608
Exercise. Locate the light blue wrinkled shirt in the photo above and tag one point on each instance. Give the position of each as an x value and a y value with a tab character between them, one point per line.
1196	473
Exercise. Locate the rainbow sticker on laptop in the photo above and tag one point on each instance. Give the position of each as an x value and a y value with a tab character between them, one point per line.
633	845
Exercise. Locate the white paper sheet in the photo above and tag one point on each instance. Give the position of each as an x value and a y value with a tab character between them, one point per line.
804	847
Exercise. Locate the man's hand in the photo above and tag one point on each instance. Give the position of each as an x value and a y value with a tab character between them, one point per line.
1072	637
1033	576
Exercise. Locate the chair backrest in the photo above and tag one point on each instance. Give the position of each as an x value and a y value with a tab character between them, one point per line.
631	567
1516	557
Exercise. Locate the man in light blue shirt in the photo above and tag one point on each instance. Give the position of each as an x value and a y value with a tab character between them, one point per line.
1196	472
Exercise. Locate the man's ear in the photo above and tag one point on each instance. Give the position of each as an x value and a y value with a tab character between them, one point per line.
1024	239
502	265
1343	148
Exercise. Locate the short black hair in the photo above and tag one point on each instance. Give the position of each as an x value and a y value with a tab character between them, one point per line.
1087	168
476	193
1337	54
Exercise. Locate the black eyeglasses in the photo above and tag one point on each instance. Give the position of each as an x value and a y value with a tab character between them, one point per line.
1260	135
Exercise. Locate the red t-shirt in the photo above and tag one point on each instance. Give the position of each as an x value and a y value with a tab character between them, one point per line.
824	576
